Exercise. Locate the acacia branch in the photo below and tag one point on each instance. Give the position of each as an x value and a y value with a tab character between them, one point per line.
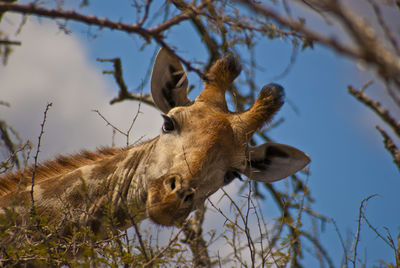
369	44
385	28
210	42
299	26
124	94
361	215
148	34
33	9
376	107
390	146
36	162
9	42
370	48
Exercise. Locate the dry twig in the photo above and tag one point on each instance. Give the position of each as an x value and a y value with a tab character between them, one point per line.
36	162
390	146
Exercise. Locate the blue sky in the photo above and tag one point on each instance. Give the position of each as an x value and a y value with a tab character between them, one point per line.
349	161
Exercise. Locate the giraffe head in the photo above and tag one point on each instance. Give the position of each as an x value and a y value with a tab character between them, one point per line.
203	146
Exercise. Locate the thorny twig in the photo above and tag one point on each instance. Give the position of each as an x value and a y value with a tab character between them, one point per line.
382	23
390	146
9	42
128	132
147	34
357	238
345	256
155	33
376	107
36	163
123	89
385	116
161	253
369	48
109	123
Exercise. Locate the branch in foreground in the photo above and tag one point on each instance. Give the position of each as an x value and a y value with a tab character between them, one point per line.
117	73
145	98
361	215
370	48
298	26
390	146
36	163
9	42
148	34
124	94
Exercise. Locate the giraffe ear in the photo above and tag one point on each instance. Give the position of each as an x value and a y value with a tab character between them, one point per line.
273	161
168	82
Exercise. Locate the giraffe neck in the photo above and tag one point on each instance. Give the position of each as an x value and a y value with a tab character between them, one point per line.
113	185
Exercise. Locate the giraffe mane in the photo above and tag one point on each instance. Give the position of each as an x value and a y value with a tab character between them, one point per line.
10	182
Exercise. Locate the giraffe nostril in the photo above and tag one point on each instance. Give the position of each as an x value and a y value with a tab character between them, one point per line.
188	198
172	183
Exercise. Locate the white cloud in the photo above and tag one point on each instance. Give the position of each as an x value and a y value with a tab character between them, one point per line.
53	67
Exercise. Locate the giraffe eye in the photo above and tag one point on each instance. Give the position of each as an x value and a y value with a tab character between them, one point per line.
169	124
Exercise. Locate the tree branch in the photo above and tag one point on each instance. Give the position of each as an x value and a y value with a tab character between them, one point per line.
148	34
36	163
299	26
390	146
376	107
33	9
8	43
370	49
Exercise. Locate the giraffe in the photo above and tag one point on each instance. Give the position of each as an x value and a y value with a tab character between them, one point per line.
202	147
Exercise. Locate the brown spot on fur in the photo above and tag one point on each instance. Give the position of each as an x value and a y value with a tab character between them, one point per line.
76	196
19	198
106	167
55	187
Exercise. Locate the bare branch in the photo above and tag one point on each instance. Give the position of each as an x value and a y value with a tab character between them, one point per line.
109	123
117	73
369	49
388	33
161	253
345	255
147	34
390	146
377	108
33	9
8	42
298	26
37	154
145	98
360	217
124	94
210	42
